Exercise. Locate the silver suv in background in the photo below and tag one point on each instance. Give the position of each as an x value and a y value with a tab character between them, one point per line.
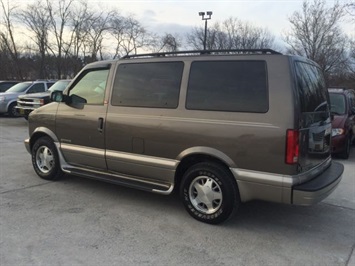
7	84
8	99
221	127
28	102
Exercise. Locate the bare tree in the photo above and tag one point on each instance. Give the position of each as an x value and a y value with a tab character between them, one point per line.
243	35
350	8
59	18
136	37
316	34
79	28
168	43
231	34
98	25
36	19
8	43
118	31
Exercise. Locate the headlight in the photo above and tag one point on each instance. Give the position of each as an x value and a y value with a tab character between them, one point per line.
337	131
2	98
38	101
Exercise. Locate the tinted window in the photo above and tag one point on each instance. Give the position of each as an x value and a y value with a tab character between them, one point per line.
311	88
228	86
5	86
91	86
337	103
148	85
59	85
38	87
49	84
20	87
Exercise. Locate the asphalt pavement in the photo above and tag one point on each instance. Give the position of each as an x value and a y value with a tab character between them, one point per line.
77	221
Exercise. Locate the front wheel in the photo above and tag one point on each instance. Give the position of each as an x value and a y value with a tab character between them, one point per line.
12	110
45	159
209	193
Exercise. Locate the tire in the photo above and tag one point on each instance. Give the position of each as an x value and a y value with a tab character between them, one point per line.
12	110
345	154
45	159
209	193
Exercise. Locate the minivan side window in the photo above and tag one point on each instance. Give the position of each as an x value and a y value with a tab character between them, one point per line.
148	84
239	86
91	86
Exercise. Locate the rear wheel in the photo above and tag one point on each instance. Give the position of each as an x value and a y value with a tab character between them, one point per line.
45	159
209	193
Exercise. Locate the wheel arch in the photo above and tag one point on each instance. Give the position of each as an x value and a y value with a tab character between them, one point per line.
196	155
14	101
42	132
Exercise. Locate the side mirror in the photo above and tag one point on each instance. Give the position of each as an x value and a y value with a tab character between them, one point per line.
57	96
73	100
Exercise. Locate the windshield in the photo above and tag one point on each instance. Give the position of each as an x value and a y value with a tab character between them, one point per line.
337	102
21	87
59	85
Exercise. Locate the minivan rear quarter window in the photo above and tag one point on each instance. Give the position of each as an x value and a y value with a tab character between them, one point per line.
311	88
148	85
239	86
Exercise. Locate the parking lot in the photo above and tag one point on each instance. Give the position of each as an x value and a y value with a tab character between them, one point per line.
78	221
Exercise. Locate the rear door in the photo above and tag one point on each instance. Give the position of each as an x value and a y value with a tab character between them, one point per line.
315	121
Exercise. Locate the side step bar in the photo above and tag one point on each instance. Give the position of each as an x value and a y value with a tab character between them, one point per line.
128	181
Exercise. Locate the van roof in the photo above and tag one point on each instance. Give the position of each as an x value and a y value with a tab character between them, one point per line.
204	52
196	54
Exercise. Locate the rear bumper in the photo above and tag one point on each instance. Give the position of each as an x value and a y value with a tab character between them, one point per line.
318	188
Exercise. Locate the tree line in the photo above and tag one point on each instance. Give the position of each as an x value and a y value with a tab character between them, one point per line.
55	39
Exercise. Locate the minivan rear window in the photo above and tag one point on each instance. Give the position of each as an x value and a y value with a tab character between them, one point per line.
239	86
312	90
152	84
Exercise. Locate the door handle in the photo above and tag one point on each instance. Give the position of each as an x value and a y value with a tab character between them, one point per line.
100	124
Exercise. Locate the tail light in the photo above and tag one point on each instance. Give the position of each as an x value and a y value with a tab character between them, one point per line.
292	146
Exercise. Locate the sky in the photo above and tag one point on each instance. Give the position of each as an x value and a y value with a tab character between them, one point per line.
180	16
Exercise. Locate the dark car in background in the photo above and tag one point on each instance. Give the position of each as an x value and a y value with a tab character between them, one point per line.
29	102
343	110
7	84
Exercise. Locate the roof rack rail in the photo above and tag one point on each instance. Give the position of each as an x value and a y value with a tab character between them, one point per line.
204	52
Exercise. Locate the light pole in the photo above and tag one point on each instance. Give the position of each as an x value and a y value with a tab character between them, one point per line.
202	14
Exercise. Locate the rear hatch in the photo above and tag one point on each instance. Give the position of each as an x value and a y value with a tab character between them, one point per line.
315	120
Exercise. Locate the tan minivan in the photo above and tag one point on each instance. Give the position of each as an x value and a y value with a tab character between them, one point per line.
222	127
